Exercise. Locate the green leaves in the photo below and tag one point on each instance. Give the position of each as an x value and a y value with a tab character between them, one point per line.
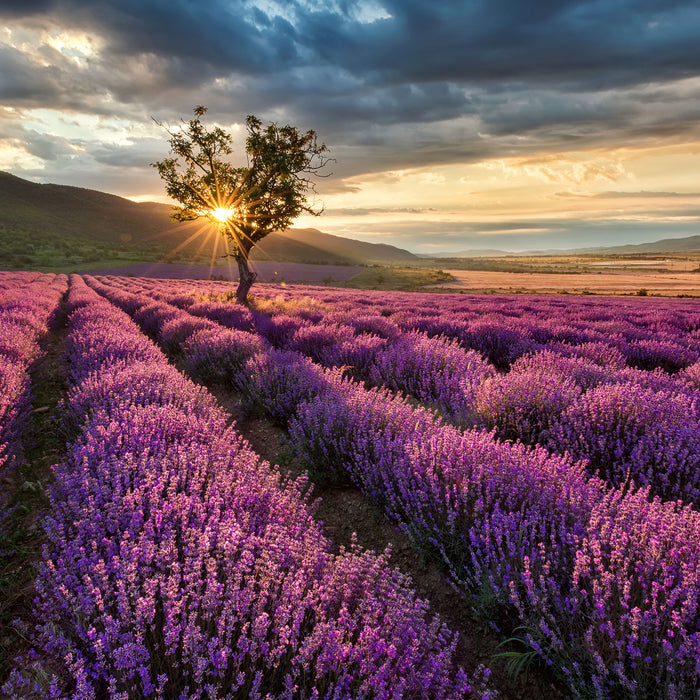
520	661
265	196
270	192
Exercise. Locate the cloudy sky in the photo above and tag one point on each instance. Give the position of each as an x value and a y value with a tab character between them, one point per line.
454	124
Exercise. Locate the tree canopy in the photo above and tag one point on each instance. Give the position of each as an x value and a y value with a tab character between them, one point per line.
246	202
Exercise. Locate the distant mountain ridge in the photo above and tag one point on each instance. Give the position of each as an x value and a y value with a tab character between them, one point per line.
74	213
471	253
309	242
51	216
688	244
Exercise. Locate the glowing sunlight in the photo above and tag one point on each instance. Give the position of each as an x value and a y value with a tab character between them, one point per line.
222	214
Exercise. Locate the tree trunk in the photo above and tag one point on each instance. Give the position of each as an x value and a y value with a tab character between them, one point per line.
246	277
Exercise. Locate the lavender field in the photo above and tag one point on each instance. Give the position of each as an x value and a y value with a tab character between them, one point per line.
543	450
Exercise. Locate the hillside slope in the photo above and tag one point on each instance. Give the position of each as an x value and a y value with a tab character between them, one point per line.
79	212
44	223
311	245
689	244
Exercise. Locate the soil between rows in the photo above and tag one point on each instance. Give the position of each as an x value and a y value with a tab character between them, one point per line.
43	447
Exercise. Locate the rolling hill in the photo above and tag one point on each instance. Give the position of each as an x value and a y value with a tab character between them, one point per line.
311	245
689	244
44	223
78	212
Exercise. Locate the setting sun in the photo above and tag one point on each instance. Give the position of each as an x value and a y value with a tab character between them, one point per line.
222	214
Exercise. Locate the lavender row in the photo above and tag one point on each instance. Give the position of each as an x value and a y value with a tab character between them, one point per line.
633	424
605	581
437	371
640	333
606	597
627	423
11	283
27	306
388	322
643	425
569	328
181	565
646	333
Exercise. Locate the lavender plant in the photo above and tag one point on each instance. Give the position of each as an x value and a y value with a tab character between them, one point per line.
437	371
219	354
521	405
626	431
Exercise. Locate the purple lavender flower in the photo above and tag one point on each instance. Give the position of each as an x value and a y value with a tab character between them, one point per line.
219	354
521	405
627	431
437	371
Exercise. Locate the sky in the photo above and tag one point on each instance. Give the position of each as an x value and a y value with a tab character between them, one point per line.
454	125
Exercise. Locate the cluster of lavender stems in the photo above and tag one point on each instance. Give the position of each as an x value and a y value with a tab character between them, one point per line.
602	575
179	564
28	303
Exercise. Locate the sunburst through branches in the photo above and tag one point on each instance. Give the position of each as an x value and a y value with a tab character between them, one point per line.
246	203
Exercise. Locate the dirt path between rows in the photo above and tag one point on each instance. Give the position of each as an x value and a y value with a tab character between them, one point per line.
43	447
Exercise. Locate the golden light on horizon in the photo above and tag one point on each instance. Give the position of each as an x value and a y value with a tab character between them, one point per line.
644	185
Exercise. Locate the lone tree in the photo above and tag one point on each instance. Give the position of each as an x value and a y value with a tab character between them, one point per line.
247	202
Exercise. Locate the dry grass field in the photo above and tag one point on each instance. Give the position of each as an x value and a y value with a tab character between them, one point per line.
653	276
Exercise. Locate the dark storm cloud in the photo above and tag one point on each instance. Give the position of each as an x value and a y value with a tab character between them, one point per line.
593	44
388	84
495	44
20	81
24	8
228	36
201	32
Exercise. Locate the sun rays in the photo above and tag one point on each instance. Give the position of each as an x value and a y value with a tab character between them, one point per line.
222	214
225	221
229	213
